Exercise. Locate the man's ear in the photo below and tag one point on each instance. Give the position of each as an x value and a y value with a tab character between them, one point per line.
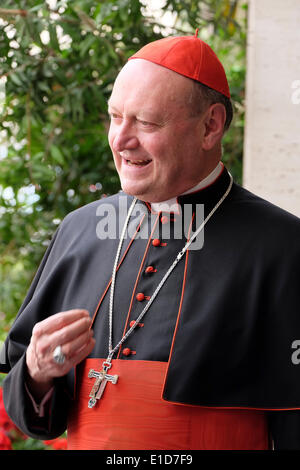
214	125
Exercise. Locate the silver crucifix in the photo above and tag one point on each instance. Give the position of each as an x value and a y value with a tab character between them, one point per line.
100	383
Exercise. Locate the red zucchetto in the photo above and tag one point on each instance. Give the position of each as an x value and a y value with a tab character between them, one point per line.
188	56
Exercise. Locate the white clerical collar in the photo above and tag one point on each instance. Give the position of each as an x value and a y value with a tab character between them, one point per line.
171	205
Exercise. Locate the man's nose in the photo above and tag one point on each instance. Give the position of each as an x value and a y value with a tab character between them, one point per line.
124	139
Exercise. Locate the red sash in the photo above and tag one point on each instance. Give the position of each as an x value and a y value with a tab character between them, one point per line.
132	415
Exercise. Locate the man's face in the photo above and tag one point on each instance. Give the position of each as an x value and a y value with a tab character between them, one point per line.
155	141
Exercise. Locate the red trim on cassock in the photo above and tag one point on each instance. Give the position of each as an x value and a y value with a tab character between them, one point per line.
136	282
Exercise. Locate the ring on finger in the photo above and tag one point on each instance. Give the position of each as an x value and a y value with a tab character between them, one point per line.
58	355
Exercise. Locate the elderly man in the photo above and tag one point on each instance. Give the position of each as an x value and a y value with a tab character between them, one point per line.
175	344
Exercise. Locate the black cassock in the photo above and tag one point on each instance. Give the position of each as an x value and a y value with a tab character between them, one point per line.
227	320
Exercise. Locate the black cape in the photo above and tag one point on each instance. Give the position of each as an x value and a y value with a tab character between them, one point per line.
226	320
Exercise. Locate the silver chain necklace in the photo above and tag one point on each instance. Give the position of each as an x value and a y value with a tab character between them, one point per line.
102	377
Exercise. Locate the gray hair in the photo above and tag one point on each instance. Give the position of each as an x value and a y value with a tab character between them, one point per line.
203	96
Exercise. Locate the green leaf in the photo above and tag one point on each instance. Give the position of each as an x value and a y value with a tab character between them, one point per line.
57	155
15	78
53	37
86	44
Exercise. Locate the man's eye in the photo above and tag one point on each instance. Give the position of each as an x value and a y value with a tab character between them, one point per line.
114	116
145	123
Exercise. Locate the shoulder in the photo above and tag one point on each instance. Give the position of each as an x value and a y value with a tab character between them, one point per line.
257	209
91	208
88	212
266	229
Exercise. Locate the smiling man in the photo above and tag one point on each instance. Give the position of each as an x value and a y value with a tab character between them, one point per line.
172	347
160	147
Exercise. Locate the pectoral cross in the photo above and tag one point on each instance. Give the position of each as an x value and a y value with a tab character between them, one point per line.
100	383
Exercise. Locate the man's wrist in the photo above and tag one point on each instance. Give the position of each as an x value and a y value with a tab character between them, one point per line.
39	408
38	389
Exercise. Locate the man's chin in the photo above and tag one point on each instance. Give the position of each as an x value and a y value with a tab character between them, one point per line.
135	191
145	193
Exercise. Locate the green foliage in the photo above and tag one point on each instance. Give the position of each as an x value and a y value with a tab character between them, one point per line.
58	60
28	444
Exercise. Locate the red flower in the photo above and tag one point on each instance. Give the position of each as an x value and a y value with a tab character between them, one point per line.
60	443
6	423
5	443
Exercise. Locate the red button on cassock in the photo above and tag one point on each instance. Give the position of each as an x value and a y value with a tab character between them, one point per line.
140	296
149	269
126	352
164	219
156	242
140	325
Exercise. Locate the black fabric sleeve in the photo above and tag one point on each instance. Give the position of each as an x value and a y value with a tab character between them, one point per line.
19	407
13	362
14	347
284	428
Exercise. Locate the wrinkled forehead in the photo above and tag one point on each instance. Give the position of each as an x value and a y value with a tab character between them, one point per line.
144	82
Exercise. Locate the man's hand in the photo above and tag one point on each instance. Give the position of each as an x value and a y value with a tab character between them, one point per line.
72	331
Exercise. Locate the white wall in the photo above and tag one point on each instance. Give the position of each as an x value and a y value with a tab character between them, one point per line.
272	131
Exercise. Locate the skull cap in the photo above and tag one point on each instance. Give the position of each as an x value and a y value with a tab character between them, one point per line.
188	56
